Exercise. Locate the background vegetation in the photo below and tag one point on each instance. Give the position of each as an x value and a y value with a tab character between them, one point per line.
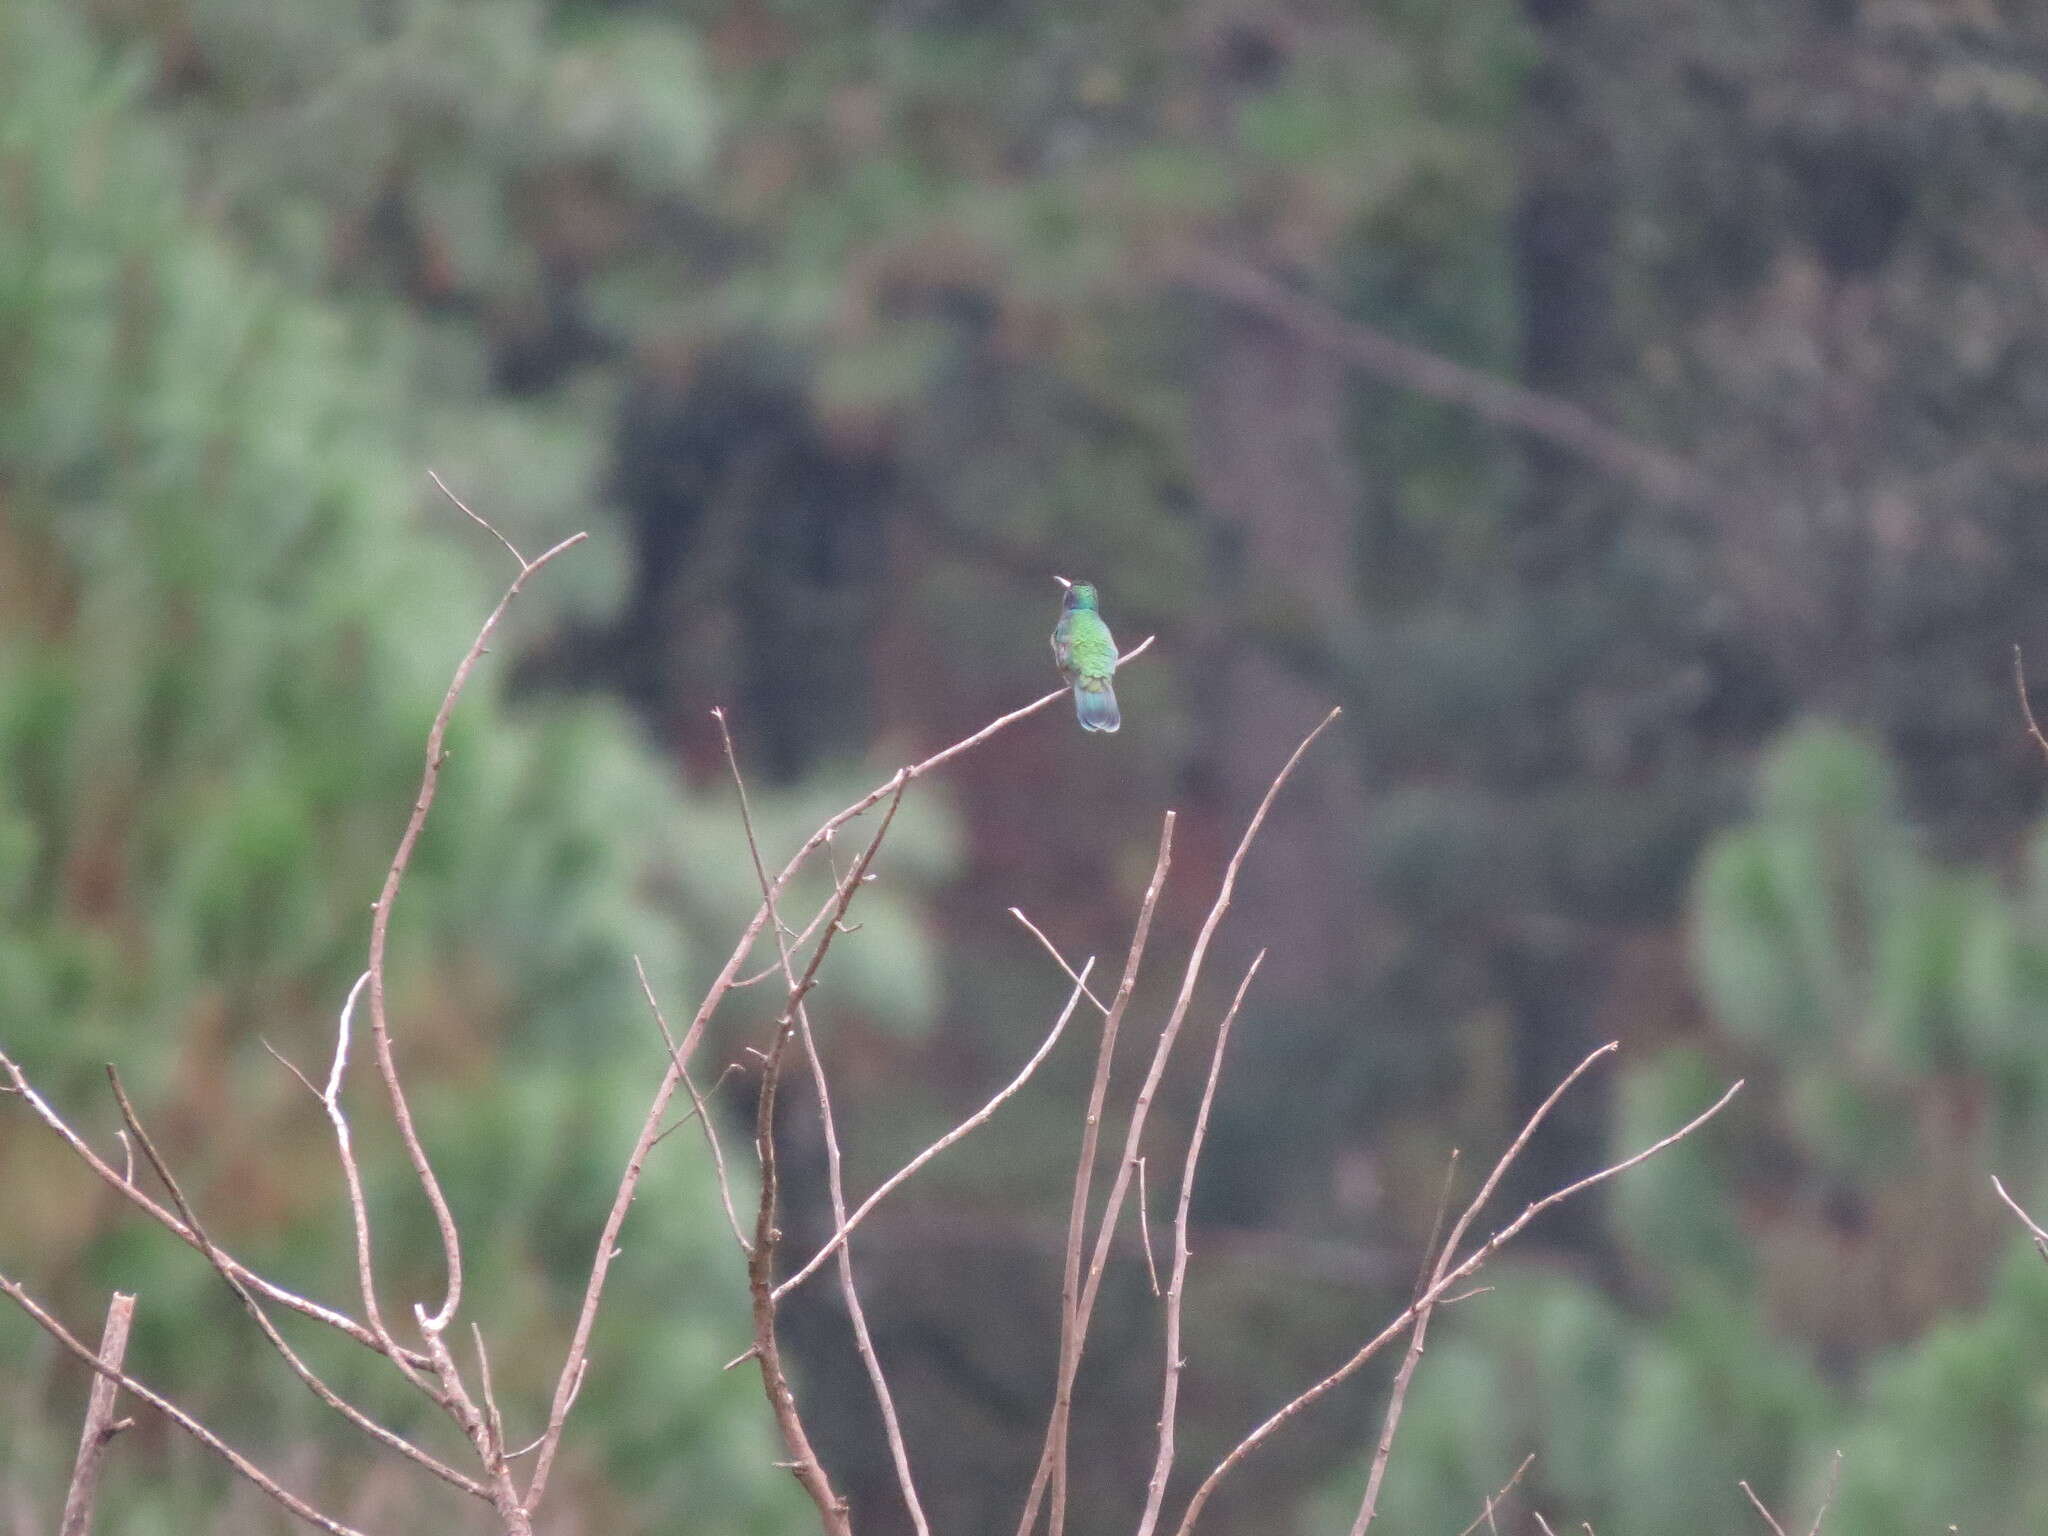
843	327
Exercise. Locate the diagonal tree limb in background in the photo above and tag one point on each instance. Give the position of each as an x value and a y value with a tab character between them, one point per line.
1660	475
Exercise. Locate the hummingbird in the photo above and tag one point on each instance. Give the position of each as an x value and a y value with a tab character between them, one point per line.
1086	656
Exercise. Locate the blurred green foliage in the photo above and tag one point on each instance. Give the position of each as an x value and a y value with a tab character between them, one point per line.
228	616
1791	1276
841	325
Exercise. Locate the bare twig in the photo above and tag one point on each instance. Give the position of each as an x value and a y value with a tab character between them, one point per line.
1537	1515
175	1414
100	1426
380	931
2033	1228
1436	1222
973	1122
1145	1228
1433	1263
699	1099
125	1185
254	1308
1141	1106
2019	678
1486	1515
1176	1286
856	1314
803	1462
1058	959
495	1419
1763	1509
721	985
1436	1293
1820	1515
1071	1327
352	1178
1397	1398
1827	1497
463	507
702	1110
798	942
835	1177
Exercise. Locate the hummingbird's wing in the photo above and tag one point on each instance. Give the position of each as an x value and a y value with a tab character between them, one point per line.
1062	656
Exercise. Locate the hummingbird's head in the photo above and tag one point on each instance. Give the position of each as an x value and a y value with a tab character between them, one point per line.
1080	594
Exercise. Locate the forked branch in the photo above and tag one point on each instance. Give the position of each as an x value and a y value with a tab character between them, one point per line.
1053	1460
170	1410
577	1355
1446	1278
100	1424
380	920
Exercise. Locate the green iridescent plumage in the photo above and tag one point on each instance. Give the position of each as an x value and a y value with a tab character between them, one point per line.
1086	656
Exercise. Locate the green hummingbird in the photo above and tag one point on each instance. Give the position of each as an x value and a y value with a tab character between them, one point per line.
1086	656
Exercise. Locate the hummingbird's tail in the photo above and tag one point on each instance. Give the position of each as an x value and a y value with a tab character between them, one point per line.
1095	704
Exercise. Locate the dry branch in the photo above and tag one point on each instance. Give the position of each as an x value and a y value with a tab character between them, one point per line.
1827	1497
1433	1260
1438	1289
100	1425
973	1122
2019	678
380	924
254	1308
702	1111
1432	1289
1071	1326
125	1186
352	1179
175	1414
1176	1285
1145	1229
804	1463
650	1130
1486	1514
899	1453
1056	1436
2033	1227
1762	1509
1058	959
1820	1515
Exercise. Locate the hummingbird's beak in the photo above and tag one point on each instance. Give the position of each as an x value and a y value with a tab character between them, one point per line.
1063	581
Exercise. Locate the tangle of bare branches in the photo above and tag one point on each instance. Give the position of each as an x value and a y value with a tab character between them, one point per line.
468	1395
